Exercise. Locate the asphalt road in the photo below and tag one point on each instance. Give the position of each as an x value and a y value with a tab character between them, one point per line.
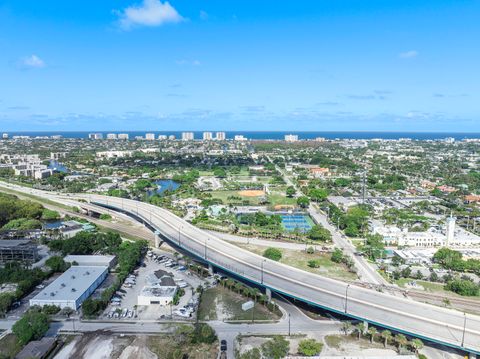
425	321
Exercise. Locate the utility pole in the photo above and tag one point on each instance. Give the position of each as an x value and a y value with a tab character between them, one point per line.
464	327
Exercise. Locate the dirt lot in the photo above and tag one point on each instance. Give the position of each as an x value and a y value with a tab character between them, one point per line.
251	193
103	346
110	346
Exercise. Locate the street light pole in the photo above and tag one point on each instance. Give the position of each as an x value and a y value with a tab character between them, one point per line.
261	264
206	248
346	298
464	327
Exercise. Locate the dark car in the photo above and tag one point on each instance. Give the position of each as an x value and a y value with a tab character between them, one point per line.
223	345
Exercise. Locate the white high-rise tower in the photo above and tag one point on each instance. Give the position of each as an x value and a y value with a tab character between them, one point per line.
450	230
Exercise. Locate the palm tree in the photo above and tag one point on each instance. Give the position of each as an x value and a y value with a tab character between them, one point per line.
372	331
255	293
238	287
386	335
346	327
416	344
401	341
230	283
360	328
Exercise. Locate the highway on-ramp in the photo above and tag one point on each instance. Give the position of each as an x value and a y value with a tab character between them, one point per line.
441	325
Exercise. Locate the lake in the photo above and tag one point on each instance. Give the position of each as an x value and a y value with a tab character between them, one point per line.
164	185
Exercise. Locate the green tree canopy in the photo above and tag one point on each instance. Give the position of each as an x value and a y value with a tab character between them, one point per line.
273	254
309	347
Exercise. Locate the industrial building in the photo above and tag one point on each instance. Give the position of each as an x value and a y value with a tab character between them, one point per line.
70	289
91	260
18	250
160	289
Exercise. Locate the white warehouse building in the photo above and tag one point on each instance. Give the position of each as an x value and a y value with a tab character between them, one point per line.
70	289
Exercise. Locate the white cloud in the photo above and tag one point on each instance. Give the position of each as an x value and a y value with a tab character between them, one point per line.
409	54
149	13
32	61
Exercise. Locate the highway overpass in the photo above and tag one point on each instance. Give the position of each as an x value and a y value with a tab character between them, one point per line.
440	325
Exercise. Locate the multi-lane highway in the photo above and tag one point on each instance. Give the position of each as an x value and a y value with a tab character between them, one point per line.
425	321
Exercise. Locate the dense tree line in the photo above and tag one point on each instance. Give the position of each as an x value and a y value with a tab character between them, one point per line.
12	209
453	260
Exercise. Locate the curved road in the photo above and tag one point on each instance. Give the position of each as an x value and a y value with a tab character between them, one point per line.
436	324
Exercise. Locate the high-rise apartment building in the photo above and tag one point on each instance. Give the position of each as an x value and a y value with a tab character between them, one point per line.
220	136
95	136
207	136
188	136
291	138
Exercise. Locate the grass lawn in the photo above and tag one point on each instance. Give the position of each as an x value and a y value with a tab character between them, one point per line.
299	259
221	301
223	195
9	346
279	198
429	287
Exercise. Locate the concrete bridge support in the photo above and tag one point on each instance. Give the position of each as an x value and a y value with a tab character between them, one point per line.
366	326
210	269
158	241
472	356
268	292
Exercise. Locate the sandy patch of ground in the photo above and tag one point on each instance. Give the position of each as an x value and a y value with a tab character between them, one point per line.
99	346
138	350
251	193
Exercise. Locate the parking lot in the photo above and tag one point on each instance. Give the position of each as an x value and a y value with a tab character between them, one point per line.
124	303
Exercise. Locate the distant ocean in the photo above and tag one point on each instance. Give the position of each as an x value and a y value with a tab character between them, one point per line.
271	135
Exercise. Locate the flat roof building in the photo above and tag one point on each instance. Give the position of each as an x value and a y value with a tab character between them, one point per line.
91	260
160	289
22	250
70	289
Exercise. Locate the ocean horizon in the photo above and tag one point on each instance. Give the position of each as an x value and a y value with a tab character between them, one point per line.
270	135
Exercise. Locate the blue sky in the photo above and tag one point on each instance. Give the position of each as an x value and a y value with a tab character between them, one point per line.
392	65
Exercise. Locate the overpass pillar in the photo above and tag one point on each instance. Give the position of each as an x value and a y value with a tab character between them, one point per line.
366	326
268	292
472	356
210	269
157	241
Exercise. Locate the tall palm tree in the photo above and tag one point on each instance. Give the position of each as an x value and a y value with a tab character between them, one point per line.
360	328
230	283
386	335
416	344
401	341
238	287
346	327
255	292
372	331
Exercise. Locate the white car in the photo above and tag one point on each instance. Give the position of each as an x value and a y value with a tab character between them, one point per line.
182	312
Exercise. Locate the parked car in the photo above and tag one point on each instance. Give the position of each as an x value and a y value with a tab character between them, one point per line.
223	345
